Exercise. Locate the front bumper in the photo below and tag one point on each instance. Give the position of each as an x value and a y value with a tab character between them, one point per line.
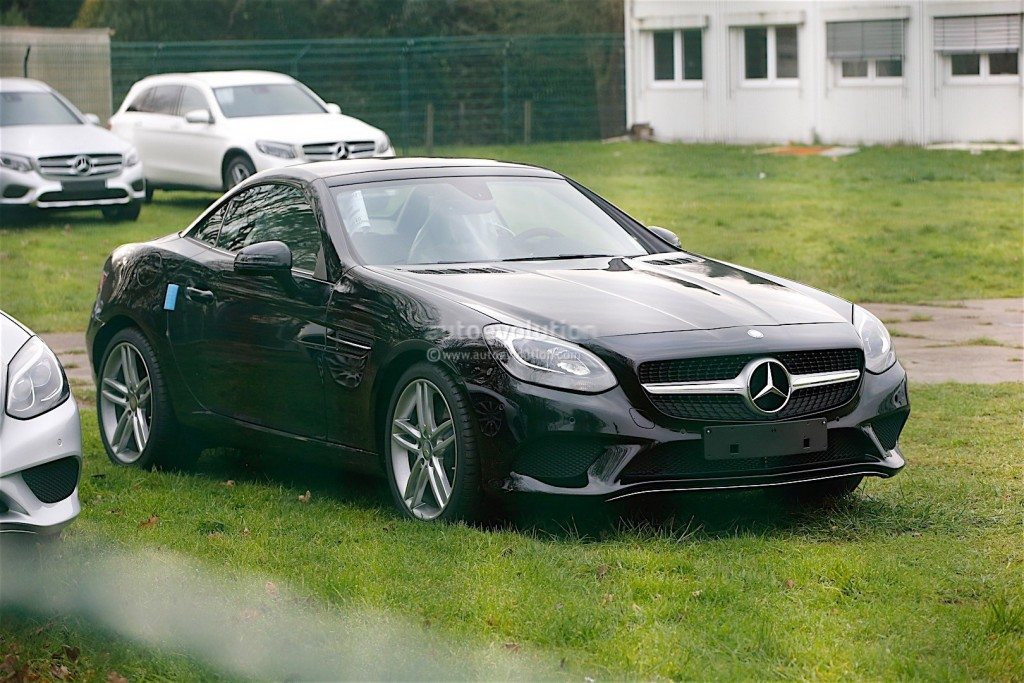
607	447
32	189
40	470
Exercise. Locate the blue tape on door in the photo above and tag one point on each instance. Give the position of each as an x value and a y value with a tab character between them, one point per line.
171	299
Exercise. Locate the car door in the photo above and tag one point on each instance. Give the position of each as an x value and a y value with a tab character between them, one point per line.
150	129
251	347
201	147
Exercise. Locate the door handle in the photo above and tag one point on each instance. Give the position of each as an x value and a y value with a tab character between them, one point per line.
203	296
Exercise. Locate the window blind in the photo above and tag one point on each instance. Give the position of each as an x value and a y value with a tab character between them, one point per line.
854	40
991	33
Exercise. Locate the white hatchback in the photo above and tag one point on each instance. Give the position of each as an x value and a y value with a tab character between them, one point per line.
211	130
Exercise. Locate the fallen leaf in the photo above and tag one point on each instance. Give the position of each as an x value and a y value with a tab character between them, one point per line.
245	531
491	621
271	589
512	647
229	482
60	672
72	653
606	598
696	593
114	677
149	523
602	571
304	498
790	583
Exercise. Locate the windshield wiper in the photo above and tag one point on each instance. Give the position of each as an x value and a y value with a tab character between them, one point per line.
559	257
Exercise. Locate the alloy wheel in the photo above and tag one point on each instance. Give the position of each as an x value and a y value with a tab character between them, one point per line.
126	402
239	172
424	450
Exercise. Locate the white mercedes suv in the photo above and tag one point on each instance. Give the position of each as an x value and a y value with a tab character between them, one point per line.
54	157
211	130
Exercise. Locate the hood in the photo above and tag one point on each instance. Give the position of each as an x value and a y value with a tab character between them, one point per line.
44	141
13	336
629	296
303	129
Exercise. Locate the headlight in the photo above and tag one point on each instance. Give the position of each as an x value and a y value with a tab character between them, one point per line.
549	361
879	355
16	162
131	158
35	381
276	149
383	145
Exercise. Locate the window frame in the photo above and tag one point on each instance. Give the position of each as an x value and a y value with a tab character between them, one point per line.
984	75
771	79
678	79
181	99
872	78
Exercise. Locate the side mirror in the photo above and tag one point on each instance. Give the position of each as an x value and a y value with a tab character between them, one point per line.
666	235
332	108
199	116
265	258
93	119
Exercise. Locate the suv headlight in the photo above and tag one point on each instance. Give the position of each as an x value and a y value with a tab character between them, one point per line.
383	145
879	355
131	158
16	162
35	381
276	149
542	359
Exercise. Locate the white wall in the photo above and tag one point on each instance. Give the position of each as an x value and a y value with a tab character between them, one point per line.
924	106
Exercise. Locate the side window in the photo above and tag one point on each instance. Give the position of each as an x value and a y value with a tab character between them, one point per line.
141	101
164	99
191	99
209	228
274	212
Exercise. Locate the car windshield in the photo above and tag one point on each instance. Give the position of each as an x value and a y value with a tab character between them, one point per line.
34	109
277	99
465	220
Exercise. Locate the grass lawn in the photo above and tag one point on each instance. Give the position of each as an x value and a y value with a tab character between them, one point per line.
894	225
921	576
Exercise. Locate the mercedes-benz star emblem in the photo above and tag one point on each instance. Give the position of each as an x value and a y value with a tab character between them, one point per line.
339	151
768	386
756	334
81	165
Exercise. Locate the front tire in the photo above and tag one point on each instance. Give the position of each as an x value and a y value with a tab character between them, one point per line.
136	420
238	168
430	451
123	212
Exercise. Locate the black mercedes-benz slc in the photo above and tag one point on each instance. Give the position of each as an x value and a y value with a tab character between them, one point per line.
470	328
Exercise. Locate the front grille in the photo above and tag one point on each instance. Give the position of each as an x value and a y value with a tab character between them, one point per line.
327	151
686	459
734	408
52	481
82	195
888	428
559	460
71	166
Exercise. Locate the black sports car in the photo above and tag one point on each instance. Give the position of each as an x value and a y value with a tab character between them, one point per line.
471	327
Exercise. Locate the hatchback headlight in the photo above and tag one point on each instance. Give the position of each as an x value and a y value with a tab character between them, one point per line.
276	149
542	359
35	381
131	158
879	355
16	162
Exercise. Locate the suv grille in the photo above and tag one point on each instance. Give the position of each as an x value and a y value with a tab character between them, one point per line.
80	165
53	481
329	151
728	407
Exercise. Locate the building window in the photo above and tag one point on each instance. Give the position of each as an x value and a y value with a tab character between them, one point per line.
678	55
866	50
981	47
770	53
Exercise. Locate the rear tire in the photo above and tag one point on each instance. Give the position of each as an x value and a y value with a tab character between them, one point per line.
430	452
136	419
238	168
122	212
828	490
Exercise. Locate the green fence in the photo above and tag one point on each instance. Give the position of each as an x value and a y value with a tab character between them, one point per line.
425	91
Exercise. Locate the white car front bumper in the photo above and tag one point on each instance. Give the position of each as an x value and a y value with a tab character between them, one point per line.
29	188
40	467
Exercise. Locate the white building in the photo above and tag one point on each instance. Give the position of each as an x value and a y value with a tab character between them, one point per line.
855	72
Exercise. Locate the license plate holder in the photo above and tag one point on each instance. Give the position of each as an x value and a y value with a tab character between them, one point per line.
96	185
729	442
